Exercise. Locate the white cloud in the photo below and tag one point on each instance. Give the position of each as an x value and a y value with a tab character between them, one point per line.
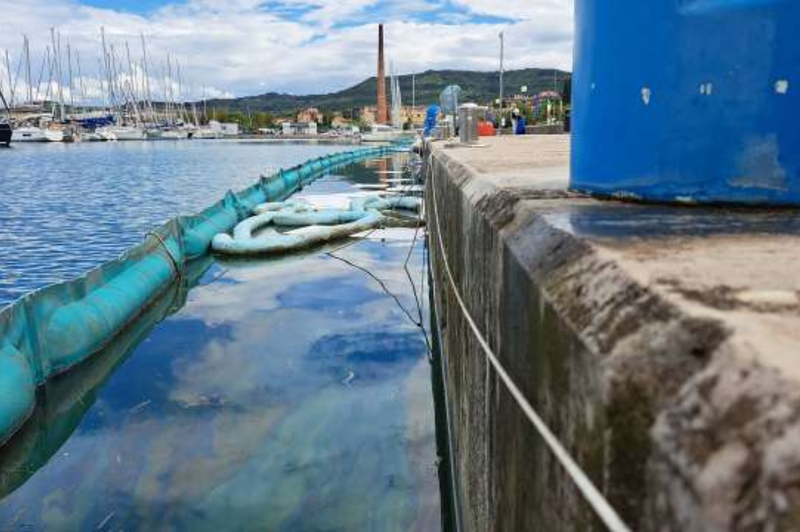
244	47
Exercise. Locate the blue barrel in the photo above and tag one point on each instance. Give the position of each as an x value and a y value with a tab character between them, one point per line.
688	100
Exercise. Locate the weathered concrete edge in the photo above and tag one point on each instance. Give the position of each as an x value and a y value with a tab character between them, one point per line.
656	366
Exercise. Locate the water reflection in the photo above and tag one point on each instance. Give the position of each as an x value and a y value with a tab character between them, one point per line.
287	394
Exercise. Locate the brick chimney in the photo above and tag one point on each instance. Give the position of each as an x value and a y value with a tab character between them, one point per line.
383	111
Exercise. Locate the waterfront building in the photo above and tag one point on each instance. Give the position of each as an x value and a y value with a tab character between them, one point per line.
299	129
311	114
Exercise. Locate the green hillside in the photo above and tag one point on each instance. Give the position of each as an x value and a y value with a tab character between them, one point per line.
481	87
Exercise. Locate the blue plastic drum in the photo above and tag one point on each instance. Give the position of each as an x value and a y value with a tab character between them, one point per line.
688	100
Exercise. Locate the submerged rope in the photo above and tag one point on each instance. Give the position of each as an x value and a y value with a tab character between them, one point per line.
590	493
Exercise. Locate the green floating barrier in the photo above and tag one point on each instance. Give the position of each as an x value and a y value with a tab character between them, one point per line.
51	330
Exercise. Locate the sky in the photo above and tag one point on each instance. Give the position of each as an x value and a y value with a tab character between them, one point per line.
232	48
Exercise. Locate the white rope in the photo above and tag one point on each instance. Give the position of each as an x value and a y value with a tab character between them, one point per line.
601	506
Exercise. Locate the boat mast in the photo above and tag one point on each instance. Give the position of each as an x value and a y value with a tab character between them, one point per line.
103	84
50	69
132	86
171	93
28	80
80	78
5	105
10	82
107	71
60	78
205	105
71	85
165	104
184	116
45	61
146	69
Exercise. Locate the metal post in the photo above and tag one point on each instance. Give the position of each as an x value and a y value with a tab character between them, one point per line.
413	90
502	53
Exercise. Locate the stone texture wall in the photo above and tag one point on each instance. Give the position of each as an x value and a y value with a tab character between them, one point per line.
657	404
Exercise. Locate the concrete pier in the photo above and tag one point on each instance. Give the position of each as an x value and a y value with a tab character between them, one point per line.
659	343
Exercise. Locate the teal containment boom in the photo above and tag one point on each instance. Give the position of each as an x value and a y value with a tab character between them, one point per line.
51	330
687	100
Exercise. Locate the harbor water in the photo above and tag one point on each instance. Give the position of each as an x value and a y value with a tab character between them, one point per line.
66	208
291	393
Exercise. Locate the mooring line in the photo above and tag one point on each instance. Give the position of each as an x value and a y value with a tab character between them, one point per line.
417	298
590	493
418	323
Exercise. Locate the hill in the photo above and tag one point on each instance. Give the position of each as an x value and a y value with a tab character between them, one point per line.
481	87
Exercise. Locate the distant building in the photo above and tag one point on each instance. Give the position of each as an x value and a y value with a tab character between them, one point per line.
340	121
412	115
312	114
228	129
299	129
369	114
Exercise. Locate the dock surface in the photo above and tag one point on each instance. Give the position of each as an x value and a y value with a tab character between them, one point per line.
658	342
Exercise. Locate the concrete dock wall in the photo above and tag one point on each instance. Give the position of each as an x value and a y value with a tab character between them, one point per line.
656	392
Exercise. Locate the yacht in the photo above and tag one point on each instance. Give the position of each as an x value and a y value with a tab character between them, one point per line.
174	134
121	132
206	133
37	134
382	133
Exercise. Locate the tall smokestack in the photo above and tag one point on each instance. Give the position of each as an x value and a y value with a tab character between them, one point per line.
383	112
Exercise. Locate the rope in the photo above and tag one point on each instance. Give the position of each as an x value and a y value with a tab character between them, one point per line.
590	493
172	258
420	322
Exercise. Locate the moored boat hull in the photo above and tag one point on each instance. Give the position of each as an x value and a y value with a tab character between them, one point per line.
122	133
5	134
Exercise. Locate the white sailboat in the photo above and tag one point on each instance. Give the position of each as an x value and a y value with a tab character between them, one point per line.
121	132
387	133
381	133
177	133
35	129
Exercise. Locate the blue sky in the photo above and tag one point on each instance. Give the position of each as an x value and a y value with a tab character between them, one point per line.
239	47
132	6
445	11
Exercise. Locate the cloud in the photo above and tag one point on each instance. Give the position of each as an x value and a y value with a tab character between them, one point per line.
239	47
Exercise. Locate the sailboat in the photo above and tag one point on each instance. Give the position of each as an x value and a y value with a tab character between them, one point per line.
37	134
384	132
36	129
121	132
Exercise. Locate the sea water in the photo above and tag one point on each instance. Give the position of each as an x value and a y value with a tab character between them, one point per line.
291	393
66	208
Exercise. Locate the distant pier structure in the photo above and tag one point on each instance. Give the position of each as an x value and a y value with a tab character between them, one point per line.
383	112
